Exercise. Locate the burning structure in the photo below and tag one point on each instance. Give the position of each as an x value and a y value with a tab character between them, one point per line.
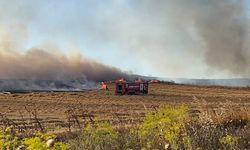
138	87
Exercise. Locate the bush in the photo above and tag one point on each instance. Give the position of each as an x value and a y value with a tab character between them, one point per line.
229	141
170	127
9	140
166	126
96	135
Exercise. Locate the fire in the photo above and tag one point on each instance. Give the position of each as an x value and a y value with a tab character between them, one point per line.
104	86
154	81
121	80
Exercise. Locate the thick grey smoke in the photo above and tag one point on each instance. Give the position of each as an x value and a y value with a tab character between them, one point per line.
39	69
180	34
38	64
221	27
176	38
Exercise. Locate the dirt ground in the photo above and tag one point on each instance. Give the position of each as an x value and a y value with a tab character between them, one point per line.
59	110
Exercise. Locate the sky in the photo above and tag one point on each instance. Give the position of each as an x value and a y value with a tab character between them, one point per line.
154	38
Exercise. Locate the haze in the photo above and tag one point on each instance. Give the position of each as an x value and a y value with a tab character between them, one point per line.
93	38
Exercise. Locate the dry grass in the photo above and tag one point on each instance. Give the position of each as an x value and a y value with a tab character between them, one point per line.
60	111
217	114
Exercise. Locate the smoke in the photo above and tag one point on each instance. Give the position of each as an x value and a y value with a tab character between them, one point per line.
38	64
211	35
221	30
223	27
40	70
47	69
174	38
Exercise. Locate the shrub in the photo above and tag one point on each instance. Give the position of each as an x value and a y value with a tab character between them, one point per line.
35	143
229	141
167	125
10	141
98	135
128	138
38	142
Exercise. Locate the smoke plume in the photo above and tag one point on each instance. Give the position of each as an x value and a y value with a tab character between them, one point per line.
223	27
220	27
210	34
37	64
40	69
173	38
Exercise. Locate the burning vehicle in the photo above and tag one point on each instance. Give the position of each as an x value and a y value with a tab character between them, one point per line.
138	87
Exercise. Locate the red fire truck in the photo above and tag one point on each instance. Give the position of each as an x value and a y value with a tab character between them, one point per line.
137	87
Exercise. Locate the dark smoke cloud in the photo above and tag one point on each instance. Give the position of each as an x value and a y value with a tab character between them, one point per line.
178	38
40	69
38	64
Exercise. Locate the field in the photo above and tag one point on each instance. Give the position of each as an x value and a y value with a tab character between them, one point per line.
170	117
62	111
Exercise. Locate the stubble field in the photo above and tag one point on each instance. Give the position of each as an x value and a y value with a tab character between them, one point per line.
62	111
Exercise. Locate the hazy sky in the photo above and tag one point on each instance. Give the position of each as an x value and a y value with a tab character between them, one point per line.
139	36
